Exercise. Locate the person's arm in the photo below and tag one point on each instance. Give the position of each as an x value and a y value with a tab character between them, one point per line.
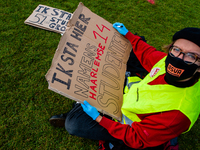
98	119
146	54
153	130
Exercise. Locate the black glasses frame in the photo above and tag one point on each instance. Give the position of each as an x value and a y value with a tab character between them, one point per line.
181	52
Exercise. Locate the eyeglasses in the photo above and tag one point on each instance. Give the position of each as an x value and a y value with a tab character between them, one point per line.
188	58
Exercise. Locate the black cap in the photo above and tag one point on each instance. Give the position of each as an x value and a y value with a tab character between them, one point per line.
191	34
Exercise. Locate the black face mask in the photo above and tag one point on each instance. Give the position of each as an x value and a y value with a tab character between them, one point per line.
177	69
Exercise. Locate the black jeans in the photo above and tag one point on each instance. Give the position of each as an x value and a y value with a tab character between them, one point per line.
80	124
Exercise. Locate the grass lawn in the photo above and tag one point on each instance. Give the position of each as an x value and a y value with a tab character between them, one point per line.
26	53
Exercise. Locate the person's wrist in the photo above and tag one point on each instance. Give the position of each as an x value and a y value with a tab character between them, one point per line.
98	119
125	32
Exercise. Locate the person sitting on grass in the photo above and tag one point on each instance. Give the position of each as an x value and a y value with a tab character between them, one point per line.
156	109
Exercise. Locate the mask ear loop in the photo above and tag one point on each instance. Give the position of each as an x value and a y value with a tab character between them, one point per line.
199	69
197	75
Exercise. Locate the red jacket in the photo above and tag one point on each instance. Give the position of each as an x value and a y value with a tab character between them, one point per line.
153	129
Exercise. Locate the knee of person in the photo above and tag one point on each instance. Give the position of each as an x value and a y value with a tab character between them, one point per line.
70	127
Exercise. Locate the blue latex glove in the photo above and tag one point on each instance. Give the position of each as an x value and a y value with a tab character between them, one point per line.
120	28
90	110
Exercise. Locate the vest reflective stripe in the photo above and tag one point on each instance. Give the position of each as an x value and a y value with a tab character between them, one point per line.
143	98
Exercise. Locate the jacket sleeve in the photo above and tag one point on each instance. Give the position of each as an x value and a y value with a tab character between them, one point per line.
153	130
146	54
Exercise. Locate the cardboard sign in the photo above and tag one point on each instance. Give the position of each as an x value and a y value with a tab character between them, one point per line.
90	63
49	18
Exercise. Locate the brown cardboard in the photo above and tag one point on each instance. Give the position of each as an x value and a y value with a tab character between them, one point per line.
90	63
49	18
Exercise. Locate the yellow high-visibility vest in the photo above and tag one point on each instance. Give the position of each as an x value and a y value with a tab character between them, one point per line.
142	98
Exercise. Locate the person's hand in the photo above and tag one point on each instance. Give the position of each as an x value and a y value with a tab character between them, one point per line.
90	110
120	28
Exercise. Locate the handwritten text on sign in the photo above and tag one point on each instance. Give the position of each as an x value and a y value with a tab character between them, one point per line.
49	18
90	63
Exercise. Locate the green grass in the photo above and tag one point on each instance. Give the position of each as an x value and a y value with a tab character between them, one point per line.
26	53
